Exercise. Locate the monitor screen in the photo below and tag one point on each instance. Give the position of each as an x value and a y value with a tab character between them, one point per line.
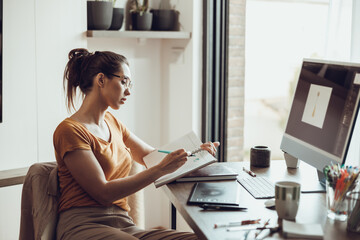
323	112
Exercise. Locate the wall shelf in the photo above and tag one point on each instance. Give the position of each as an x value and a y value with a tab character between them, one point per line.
138	34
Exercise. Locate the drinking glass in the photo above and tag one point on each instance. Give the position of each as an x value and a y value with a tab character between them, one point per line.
353	200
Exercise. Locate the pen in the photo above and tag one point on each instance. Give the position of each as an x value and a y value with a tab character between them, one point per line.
263	234
251	173
251	227
231	224
222	207
234	224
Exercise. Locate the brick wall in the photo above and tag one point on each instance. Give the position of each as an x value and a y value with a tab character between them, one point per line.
236	77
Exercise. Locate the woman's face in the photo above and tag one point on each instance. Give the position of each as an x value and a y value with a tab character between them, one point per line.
117	87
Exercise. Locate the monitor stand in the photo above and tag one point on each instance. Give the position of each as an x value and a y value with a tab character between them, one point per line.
310	186
291	161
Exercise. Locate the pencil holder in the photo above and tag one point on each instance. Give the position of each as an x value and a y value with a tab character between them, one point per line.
353	223
260	156
340	180
335	202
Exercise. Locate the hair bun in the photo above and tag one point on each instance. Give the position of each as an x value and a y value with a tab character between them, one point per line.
78	53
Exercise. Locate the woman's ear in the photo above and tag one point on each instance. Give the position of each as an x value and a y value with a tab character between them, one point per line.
100	80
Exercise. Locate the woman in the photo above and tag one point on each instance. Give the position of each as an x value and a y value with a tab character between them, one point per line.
94	152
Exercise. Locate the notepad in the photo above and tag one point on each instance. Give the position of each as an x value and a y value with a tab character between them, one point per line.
303	231
189	142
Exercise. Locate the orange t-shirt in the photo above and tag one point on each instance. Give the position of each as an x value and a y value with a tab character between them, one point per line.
114	157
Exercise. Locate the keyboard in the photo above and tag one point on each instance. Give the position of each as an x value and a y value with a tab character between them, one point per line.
258	187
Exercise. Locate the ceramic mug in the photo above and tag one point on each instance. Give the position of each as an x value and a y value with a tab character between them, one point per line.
260	156
287	197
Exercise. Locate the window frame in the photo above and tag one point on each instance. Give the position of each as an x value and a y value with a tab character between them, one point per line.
215	74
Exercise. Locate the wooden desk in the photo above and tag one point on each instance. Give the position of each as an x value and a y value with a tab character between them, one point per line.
312	207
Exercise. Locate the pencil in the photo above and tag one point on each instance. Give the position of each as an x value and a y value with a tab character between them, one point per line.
191	154
164	151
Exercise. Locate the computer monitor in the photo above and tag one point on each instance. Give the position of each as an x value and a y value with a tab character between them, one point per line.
323	114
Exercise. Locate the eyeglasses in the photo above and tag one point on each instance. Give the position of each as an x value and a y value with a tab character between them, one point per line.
124	81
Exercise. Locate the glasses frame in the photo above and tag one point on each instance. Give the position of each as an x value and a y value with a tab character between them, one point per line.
129	84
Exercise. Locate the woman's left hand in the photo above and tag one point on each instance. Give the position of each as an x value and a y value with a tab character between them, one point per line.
210	147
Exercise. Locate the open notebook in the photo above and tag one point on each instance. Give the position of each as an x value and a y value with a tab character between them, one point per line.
189	142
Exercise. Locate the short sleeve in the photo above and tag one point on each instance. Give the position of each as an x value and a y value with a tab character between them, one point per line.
69	137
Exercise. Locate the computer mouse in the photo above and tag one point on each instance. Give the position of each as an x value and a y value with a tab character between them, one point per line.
270	203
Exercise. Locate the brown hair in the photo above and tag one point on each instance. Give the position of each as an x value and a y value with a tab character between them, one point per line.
83	66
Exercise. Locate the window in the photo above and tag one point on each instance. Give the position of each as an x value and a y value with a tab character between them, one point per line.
267	41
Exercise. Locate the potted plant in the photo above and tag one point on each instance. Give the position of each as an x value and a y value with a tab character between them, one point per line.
166	18
117	17
140	15
99	14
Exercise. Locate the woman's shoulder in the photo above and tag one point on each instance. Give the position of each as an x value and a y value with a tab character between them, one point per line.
69	125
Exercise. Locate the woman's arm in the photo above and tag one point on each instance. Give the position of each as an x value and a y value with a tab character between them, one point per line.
138	147
86	170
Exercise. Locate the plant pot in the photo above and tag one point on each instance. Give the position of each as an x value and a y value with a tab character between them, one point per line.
141	21
99	15
165	19
117	19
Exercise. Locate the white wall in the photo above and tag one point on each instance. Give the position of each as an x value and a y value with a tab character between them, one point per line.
38	34
19	89
37	39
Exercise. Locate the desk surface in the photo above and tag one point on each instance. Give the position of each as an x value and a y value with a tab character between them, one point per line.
312	207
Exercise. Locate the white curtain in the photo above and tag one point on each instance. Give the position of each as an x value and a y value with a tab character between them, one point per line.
355	30
338	42
343	44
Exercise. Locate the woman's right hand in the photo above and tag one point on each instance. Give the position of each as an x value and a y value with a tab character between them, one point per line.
173	161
